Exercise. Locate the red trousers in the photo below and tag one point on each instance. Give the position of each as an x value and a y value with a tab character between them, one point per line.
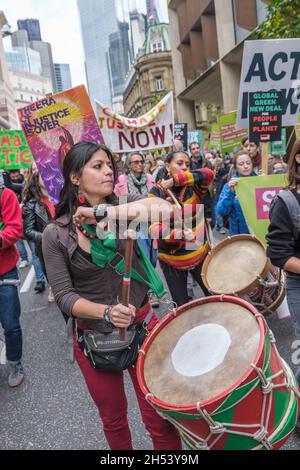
107	390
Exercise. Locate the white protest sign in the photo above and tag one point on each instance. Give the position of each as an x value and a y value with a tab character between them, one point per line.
271	65
150	131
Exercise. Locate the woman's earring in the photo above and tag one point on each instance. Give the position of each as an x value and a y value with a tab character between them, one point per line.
81	197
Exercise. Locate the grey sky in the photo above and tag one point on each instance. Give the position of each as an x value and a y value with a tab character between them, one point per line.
59	21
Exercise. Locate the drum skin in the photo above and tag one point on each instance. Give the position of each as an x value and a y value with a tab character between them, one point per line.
249	414
239	266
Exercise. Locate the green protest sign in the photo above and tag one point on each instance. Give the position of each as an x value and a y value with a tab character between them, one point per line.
298	127
255	195
14	151
279	148
215	138
231	138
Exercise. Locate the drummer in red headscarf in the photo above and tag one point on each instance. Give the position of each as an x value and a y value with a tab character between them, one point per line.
182	246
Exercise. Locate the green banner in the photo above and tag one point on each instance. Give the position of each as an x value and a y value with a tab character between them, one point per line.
279	147
215	137
14	151
298	127
231	138
255	195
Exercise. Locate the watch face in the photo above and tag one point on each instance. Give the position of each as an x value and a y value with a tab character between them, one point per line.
101	212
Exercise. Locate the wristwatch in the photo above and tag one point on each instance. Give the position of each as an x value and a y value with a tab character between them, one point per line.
100	212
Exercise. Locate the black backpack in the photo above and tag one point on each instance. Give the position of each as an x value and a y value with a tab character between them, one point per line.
292	206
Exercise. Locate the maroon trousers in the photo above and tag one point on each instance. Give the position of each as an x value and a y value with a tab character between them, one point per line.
107	390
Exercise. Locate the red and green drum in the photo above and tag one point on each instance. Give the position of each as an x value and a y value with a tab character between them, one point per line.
212	369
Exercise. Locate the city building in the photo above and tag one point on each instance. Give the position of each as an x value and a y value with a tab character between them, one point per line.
28	87
152	15
32	27
207	38
63	79
8	116
106	47
119	57
45	50
24	59
21	39
25	70
152	75
138	31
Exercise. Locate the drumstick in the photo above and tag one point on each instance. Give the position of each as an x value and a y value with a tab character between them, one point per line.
130	234
175	201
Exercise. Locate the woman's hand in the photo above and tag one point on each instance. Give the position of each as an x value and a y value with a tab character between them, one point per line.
84	215
121	316
232	183
166	184
188	235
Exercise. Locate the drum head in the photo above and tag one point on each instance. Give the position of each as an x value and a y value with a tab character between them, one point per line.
201	353
234	265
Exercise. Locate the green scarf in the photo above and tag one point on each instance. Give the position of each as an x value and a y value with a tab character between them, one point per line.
105	251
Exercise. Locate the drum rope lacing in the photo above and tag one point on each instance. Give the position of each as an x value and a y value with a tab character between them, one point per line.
219	429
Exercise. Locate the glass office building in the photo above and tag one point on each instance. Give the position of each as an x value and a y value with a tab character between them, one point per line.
62	77
101	33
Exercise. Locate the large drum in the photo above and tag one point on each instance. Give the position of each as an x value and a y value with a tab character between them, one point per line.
213	370
239	266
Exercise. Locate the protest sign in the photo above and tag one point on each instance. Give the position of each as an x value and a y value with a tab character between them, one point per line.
14	151
297	128
271	64
181	133
265	116
195	136
215	137
279	147
150	131
52	126
231	138
255	195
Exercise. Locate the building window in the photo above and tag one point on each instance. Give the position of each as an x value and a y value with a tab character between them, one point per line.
157	47
159	83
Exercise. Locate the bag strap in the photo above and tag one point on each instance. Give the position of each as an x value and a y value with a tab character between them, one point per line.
293	207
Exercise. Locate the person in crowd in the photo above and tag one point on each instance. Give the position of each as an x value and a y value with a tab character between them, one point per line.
253	150
136	180
284	241
87	287
279	167
160	164
228	204
37	212
16	177
11	230
176	256
120	167
150	164
197	162
196	158
177	146
220	175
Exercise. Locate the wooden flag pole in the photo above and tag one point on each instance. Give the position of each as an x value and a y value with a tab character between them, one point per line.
265	158
131	235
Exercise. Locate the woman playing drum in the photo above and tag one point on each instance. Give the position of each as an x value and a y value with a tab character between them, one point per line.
181	250
86	283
